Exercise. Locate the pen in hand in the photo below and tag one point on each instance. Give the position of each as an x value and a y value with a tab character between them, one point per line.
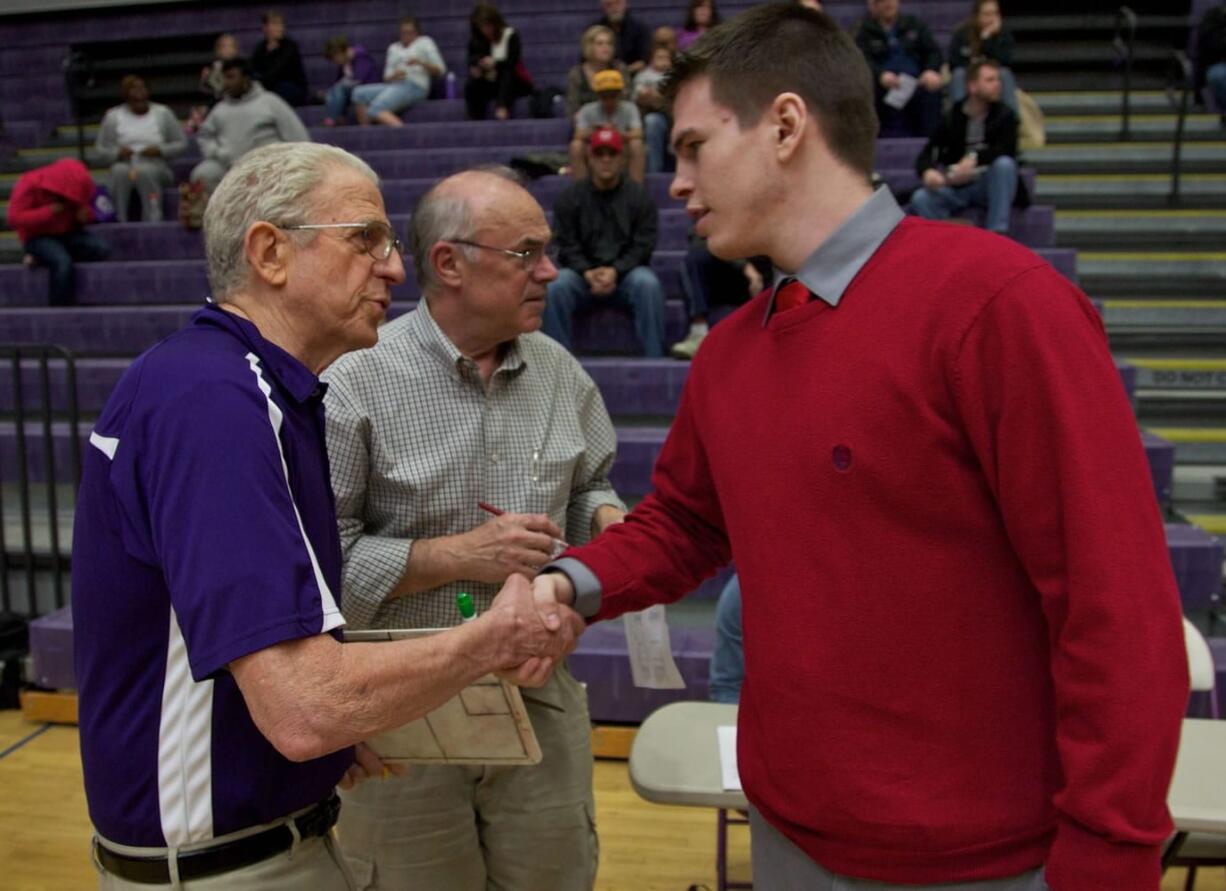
558	544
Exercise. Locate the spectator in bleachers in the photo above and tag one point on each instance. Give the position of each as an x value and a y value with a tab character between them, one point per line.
609	110
708	281
700	16
413	535
971	161
810	4
354	66
410	64
136	140
606	232
496	70
632	37
224	47
596	46
276	62
665	35
653	108
1211	57
48	209
248	117
903	56
982	36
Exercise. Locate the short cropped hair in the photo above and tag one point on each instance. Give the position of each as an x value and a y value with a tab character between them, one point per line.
237	62
272	15
778	48
441	215
334	45
128	82
977	65
410	20
275	184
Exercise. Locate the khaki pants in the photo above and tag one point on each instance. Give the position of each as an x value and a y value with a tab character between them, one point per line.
314	863
472	828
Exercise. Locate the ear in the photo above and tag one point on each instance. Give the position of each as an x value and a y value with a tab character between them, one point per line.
445	262
789	118
267	251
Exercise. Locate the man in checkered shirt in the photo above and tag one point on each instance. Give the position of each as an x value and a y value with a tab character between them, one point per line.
461	403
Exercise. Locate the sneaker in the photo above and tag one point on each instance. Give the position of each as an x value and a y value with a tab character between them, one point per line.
685	349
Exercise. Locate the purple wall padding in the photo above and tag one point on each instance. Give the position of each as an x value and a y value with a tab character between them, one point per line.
51	650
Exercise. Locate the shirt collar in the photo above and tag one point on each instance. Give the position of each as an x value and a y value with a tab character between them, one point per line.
291	375
830	269
437	344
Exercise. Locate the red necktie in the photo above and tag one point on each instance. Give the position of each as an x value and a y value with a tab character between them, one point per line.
791	296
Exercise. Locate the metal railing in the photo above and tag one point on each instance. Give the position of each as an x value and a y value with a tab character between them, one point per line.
1124	41
1179	88
78	77
37	407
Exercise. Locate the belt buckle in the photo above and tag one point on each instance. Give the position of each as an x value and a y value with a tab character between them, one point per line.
319	819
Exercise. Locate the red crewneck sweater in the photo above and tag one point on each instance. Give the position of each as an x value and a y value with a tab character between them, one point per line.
962	639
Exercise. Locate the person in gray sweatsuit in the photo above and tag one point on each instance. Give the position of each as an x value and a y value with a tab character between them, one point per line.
247	117
137	140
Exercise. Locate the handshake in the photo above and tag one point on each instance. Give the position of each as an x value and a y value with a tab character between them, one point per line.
528	629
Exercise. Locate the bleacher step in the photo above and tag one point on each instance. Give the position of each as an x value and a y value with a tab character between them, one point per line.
1126	157
1109	274
1144	229
1090	190
1195	445
1141	128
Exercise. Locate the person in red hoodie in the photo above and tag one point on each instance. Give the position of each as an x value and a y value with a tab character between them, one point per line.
964	661
49	209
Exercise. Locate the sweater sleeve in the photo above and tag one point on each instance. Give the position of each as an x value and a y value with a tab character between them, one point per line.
289	125
106	146
24	213
931	52
1051	427
674	538
174	140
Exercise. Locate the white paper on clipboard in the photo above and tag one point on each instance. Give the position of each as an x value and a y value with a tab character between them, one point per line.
485	723
901	94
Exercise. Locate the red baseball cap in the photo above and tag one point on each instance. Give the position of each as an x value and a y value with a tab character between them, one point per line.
606	138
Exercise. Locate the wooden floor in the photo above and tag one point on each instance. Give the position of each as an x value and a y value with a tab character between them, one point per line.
44	830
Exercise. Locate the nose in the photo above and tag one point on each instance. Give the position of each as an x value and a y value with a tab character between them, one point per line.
546	270
682	185
391	269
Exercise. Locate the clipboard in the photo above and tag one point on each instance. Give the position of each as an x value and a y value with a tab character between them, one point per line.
485	723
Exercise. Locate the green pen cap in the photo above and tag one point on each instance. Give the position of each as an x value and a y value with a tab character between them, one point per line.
464	603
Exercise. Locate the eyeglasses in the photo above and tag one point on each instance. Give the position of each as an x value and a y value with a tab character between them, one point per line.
529	259
378	238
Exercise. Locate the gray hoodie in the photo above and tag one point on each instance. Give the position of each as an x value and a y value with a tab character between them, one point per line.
236	126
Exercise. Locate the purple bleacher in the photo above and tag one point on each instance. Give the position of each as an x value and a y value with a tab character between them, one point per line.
1161	455
1196	557
1217	646
51	650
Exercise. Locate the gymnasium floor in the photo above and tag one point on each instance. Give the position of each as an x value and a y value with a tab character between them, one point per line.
44	829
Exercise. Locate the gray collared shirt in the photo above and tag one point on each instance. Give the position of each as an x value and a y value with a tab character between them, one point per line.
829	270
416	439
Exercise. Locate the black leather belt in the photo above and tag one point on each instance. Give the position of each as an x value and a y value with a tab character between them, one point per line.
223	857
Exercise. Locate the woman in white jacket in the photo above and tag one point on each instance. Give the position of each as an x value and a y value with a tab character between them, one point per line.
137	139
410	64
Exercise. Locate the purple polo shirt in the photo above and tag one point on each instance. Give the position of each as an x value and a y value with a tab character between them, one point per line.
205	531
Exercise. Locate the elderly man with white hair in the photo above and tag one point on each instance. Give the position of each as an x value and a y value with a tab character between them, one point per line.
218	708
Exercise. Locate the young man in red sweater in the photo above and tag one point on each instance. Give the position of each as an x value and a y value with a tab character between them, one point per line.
964	660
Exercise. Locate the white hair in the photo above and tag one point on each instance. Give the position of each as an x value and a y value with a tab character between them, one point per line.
273	183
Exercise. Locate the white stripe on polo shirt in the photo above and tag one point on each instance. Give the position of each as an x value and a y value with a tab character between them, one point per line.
332	617
105	444
185	745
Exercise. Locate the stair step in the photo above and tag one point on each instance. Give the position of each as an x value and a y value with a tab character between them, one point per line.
1127	157
1057	103
1153	229
1110	274
1162	325
1141	128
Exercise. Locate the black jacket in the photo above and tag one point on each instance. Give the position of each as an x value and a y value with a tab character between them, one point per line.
948	145
284	64
633	39
917	42
479	48
998	47
615	228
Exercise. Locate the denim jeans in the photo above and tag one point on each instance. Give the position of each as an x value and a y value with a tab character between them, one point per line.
655	135
337	99
1008	88
57	253
639	291
1215	76
394	97
728	658
993	190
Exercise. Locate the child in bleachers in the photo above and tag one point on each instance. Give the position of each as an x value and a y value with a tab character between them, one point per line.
410	64
354	67
49	209
224	49
652	106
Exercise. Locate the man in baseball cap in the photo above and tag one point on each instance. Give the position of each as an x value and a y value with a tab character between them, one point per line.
601	260
613	112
